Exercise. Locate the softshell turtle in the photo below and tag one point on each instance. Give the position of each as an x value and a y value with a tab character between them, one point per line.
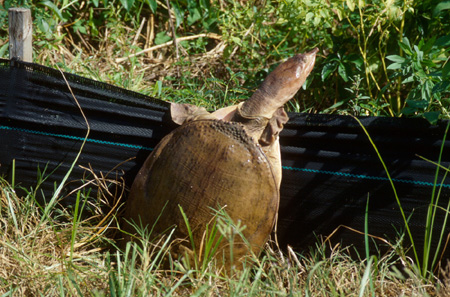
227	159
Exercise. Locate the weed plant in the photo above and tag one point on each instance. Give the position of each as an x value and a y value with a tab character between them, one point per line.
63	255
53	251
379	57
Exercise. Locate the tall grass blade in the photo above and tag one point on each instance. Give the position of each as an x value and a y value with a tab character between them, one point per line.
61	286
310	275
201	291
55	196
405	220
366	229
76	219
178	283
191	235
366	242
13	177
10	293
211	247
159	256
366	277
73	282
12	211
432	208
255	281
441	235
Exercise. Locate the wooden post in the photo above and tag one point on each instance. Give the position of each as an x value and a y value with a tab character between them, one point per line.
20	34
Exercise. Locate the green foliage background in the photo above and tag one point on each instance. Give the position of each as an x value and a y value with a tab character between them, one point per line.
381	57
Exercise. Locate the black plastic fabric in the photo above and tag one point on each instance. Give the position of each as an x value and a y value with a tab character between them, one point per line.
330	168
41	124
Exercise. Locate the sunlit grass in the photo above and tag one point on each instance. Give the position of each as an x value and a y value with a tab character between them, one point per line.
62	254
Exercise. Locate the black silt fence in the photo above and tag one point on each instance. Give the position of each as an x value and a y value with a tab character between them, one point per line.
330	168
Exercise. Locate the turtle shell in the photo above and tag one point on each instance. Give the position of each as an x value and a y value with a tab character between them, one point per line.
203	166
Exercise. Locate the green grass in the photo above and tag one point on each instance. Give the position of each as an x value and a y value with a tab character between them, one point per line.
425	265
62	255
376	57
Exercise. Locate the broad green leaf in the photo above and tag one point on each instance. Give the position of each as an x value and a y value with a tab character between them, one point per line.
127	4
178	13
414	95
443	5
351	4
429	63
428	45
340	13
53	8
396	58
328	69
355	59
43	25
79	27
317	21
419	53
3	49
194	15
418	68
406	46
426	89
432	116
409	110
161	38
309	16
158	88
441	87
236	40
394	66
417	103
308	82
421	43
443	41
421	74
343	72
446	69
408	79
153	5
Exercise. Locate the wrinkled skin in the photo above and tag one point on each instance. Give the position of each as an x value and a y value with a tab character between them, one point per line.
229	158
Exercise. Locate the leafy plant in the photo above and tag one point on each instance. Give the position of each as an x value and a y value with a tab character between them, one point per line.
426	67
251	38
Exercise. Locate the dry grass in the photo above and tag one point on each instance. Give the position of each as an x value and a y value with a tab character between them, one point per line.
60	255
126	58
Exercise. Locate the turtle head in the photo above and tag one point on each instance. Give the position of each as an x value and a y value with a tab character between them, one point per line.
284	82
280	86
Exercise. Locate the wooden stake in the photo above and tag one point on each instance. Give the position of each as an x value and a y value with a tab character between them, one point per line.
20	34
